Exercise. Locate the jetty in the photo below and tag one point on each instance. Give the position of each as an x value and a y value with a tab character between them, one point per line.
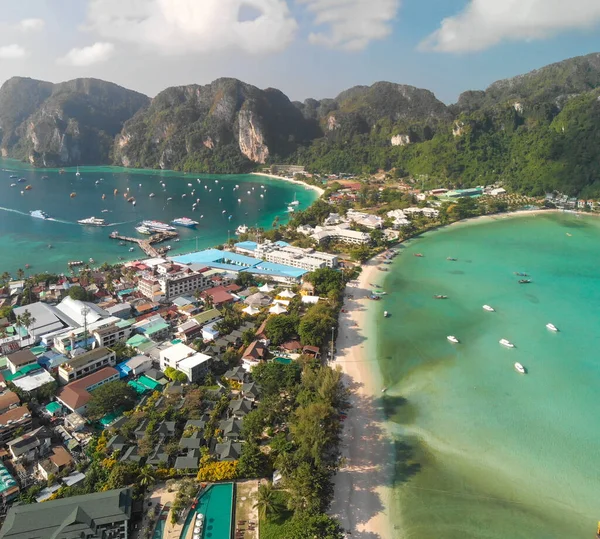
146	244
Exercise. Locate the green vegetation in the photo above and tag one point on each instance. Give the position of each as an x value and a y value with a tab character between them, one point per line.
175	376
111	397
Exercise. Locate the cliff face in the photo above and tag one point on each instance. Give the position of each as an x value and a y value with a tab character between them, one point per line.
70	123
224	126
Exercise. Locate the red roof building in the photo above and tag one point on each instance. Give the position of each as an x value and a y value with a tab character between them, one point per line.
77	394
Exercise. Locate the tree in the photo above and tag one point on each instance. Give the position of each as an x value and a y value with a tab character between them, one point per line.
146	476
248	336
326	279
309	527
123	351
111	397
315	326
5	278
175	376
78	293
281	328
20	274
26	320
360	253
266	502
253	462
274	377
245	280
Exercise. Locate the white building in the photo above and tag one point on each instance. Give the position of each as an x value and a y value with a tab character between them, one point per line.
86	363
427	212
307	230
185	359
171	284
364	219
499	191
296	257
79	336
398	217
333	219
340	233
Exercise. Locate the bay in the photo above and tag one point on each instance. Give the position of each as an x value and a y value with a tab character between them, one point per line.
25	240
482	451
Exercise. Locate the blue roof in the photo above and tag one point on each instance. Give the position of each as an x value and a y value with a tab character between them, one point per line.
282	243
235	262
123	369
248	245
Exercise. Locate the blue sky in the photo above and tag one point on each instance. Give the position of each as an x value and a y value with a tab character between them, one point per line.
306	48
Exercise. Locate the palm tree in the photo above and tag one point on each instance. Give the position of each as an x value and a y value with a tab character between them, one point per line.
146	476
20	274
26	320
19	324
267	500
5	278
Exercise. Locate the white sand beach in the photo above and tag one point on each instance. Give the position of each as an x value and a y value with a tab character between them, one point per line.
291	180
362	490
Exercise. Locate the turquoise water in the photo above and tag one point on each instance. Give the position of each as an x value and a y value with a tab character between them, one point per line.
216	506
25	240
482	451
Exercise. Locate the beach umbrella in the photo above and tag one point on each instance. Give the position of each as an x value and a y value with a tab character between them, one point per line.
278	309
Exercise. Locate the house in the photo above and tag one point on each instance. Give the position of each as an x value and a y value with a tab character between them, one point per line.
228	450
93	516
8	400
220	295
120	310
110	334
139	364
159	457
231	428
86	363
254	354
313	351
237	374
131	455
193	441
9	489
154	328
292	346
12	420
20	359
258	300
166	429
189	461
76	395
185	359
31	446
251	391
239	408
58	461
116	443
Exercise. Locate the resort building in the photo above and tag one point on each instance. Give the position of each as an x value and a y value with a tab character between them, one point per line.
86	363
296	257
185	359
151	289
76	395
100	515
364	219
340	233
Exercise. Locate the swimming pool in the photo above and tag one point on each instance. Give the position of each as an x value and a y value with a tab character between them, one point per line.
216	505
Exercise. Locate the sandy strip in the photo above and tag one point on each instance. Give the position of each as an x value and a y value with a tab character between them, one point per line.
291	180
362	491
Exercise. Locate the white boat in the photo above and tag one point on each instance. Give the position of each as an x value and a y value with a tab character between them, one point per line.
242	229
151	195
92	221
551	327
39	214
488	308
185	222
291	209
507	343
158	226
453	339
520	369
385	314
143	230
131	249
77	173
294	202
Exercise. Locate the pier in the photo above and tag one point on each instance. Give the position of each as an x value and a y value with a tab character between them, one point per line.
146	245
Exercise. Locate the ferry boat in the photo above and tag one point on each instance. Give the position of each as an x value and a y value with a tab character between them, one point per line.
185	222
92	221
488	308
39	214
453	339
158	226
507	343
551	327
520	369
143	230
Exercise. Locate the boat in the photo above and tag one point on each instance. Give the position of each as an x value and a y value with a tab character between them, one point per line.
183	196
176	240
61	171
134	203
185	222
131	249
73	195
151	195
520	274
121	243
290	209
21	180
520	369
170	198
294	202
92	221
105	211
453	339
13	184
103	197
39	214
551	327
13	176
439	296
50	246
92	261
507	343
143	230
116	192
189	185
383	389
44	177
568	234
418	255
77	173
488	308
524	281
452	259
158	226
28	188
386	314
97	182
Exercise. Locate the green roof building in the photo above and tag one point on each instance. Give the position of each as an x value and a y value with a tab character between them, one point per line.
93	516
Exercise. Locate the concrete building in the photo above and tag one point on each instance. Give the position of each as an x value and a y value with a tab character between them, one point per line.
8	400
296	257
76	395
364	219
109	335
171	284
20	359
31	446
185	359
86	363
77	336
12	420
94	516
340	233
150	288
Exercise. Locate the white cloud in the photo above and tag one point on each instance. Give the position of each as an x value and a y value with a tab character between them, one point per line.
31	25
87	56
484	23
12	52
183	26
352	24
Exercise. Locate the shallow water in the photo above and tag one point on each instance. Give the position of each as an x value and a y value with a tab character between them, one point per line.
482	451
25	240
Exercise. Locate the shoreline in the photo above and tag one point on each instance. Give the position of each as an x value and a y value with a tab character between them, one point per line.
363	485
291	180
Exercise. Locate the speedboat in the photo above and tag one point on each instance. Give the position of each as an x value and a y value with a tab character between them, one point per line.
520	369
385	314
419	255
524	281
520	274
488	308
551	327
93	221
39	214
131	249
439	296
453	339
242	229
507	343
151	195
452	259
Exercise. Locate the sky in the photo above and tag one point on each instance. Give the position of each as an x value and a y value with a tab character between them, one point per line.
306	48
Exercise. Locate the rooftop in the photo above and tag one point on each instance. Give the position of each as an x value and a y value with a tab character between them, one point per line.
22	357
87	357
